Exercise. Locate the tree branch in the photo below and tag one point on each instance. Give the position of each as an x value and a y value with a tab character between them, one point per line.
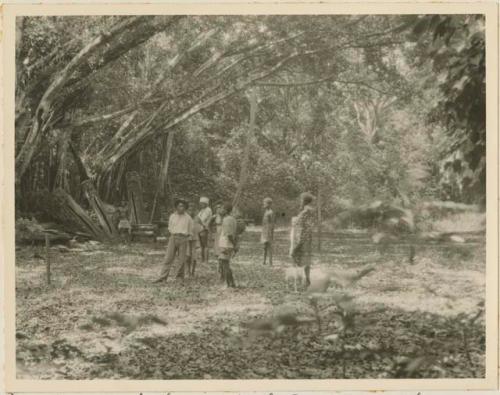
43	110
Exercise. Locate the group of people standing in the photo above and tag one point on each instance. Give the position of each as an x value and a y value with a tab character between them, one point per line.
187	231
301	233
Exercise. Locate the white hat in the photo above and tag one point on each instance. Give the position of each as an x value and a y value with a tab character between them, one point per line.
204	199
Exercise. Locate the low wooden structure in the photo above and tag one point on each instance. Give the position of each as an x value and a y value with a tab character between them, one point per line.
144	231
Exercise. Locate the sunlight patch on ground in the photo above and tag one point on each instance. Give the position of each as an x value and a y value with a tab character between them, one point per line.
425	287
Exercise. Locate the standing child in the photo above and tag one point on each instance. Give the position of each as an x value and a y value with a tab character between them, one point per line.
267	234
228	244
204	216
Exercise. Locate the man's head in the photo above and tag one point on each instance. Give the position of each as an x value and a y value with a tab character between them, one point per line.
218	208
204	202
181	206
267	202
227	208
306	198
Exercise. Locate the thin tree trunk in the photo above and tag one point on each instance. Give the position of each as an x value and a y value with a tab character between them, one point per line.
320	218
119	178
47	257
136	204
82	170
246	151
61	174
137	137
160	190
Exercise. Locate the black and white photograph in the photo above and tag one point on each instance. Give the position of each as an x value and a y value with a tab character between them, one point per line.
250	197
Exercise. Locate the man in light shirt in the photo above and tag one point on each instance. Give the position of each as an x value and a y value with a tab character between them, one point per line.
204	216
180	227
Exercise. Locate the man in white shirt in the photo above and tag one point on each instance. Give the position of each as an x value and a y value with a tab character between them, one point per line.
180	227
204	216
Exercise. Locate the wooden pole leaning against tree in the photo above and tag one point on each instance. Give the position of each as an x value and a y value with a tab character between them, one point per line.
320	217
47	256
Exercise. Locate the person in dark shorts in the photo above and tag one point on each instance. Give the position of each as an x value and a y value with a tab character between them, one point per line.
204	216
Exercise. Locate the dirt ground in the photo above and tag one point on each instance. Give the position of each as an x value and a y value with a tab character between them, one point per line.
103	318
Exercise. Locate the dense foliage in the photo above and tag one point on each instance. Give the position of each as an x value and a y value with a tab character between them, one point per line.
348	107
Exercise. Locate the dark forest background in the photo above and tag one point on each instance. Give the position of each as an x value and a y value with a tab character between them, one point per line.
351	108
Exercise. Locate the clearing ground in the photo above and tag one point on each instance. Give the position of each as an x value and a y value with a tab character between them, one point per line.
103	318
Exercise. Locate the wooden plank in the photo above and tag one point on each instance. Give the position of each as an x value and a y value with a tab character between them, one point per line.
100	209
72	210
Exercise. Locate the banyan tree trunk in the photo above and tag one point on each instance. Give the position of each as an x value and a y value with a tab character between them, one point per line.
71	77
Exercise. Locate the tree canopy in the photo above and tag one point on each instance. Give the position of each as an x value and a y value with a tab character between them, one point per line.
353	107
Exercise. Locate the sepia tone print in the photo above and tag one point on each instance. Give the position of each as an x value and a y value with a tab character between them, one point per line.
250	197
